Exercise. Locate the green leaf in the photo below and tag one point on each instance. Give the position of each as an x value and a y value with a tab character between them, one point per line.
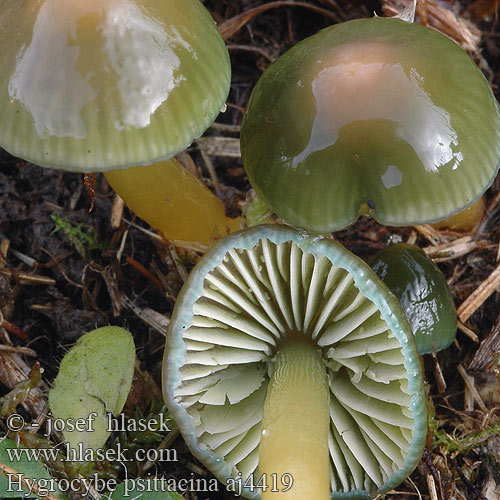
94	379
133	489
20	463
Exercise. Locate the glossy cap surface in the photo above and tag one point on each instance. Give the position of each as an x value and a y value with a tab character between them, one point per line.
91	85
375	116
423	293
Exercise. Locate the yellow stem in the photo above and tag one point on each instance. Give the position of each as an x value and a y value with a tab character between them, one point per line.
173	201
295	425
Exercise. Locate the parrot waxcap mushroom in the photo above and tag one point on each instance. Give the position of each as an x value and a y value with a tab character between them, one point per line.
291	370
96	86
372	116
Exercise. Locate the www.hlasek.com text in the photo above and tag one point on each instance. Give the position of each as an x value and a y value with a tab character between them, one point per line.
66	453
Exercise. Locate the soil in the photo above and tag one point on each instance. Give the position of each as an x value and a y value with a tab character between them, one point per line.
57	284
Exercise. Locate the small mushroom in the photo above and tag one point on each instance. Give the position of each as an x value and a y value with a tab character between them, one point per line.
97	85
423	293
373	116
290	366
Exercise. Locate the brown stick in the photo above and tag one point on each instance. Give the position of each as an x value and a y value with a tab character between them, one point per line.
470	305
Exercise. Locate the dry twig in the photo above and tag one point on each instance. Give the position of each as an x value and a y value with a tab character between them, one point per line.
474	301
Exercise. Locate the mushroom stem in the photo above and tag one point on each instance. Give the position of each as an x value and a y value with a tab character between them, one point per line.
173	201
295	425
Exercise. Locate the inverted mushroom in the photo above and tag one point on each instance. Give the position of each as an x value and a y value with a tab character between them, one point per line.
287	356
93	86
373	116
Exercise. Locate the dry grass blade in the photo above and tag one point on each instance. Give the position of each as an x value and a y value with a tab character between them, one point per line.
231	26
469	382
220	146
28	279
474	301
26	351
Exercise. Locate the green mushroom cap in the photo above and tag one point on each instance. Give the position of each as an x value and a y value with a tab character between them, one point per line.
373	116
92	85
421	289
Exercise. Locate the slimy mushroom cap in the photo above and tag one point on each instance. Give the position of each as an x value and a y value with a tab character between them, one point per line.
373	116
97	85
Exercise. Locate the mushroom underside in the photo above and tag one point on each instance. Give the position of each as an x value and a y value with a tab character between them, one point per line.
244	310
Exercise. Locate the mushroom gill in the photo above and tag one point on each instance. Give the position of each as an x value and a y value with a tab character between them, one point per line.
261	309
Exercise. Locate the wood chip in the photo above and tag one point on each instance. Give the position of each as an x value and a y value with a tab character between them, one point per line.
13	329
474	301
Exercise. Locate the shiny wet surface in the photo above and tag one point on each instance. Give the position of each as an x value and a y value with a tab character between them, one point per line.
371	116
112	70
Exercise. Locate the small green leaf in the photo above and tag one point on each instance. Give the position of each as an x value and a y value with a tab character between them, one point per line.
19	462
94	379
134	490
